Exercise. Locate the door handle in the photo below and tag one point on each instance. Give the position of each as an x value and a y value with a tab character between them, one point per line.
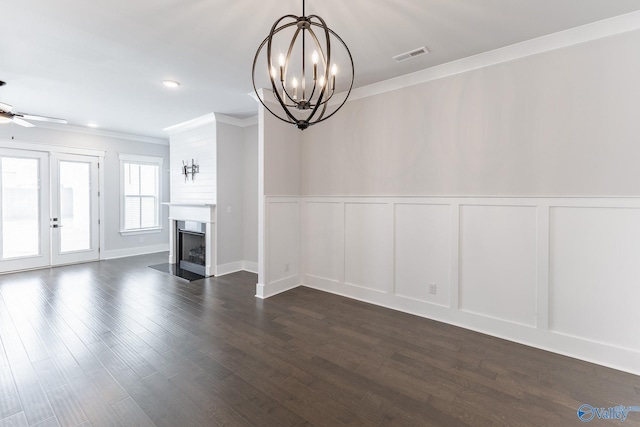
56	226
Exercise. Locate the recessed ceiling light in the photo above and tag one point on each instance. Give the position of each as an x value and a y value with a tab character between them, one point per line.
92	125
171	83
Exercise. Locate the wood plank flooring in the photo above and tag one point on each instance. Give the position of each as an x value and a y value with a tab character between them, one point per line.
116	343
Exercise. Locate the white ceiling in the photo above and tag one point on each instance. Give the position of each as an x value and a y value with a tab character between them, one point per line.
104	61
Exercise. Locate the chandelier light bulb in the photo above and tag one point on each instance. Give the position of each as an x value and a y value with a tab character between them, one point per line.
273	72
314	57
281	60
321	81
334	71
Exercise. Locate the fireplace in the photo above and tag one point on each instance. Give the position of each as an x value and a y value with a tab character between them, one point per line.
192	237
192	249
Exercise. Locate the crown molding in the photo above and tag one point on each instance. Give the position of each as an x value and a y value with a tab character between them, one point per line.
191	124
585	33
243	123
264	94
103	132
209	119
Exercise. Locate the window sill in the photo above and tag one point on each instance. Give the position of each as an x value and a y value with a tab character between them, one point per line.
141	231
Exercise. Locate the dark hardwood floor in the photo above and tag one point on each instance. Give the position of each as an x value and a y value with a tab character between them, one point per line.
117	343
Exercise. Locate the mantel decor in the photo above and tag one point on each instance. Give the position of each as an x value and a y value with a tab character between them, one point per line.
304	80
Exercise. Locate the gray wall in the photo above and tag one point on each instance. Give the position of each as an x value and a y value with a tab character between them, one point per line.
281	158
563	122
230	171
111	198
250	194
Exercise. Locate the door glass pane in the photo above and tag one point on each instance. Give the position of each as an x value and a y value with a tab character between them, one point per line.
75	206
20	206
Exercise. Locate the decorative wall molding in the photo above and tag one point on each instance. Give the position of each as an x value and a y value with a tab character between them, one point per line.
528	269
282	243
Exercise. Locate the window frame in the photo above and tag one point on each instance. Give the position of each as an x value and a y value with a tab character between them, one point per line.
140	160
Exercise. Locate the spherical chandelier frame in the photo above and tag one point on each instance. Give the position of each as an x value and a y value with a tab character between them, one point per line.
323	85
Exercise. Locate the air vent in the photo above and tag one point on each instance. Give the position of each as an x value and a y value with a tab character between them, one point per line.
411	54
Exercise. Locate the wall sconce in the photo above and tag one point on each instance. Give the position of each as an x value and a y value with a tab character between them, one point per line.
192	170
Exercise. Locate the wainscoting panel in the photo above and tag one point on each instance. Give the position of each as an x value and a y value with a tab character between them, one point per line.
498	262
422	252
369	246
283	245
595	274
324	240
559	274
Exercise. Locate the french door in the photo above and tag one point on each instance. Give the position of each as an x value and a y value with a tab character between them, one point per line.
24	210
49	209
74	209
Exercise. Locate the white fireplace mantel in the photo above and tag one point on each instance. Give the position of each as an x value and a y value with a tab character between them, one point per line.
198	212
204	212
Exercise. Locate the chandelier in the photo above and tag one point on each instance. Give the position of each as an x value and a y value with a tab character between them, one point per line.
304	94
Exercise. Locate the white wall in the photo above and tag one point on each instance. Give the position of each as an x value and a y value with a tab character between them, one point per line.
250	199
115	245
198	144
516	173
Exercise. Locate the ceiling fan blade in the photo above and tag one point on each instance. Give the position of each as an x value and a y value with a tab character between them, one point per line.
5	107
42	118
19	121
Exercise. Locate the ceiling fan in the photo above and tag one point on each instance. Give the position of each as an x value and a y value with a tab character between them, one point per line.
7	115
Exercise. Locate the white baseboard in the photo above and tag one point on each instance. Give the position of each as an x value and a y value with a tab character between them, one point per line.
139	250
599	353
274	288
234	267
228	268
250	266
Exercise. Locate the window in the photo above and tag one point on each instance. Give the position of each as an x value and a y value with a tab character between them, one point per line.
140	193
